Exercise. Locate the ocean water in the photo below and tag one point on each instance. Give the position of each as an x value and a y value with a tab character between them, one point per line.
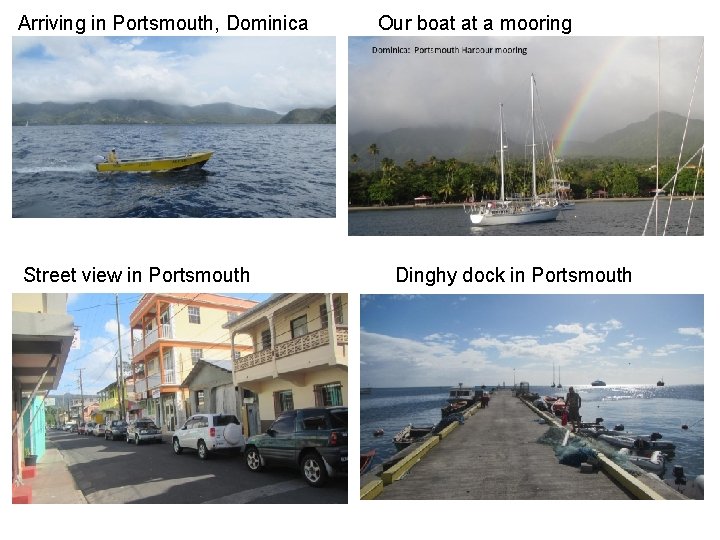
605	218
256	171
642	409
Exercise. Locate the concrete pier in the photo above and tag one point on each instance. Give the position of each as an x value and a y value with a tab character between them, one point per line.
494	455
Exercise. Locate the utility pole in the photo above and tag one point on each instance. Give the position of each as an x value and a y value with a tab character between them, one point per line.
121	379
82	399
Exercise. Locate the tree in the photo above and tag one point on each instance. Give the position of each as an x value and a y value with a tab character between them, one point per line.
354	159
374	151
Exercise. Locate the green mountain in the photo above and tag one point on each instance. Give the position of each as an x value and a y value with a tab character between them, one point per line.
419	144
309	116
639	140
635	141
133	111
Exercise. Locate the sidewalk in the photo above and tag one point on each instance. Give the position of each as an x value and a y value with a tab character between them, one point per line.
53	483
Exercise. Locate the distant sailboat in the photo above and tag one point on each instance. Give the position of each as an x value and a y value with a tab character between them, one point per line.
553	384
661	382
559	385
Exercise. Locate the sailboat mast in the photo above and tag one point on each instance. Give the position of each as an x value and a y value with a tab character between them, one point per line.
532	116
502	156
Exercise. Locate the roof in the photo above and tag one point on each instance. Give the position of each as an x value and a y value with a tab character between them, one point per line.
225	365
214	300
258	307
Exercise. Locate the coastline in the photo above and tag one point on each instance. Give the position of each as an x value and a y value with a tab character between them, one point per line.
460	205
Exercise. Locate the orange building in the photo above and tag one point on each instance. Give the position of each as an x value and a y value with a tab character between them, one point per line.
170	333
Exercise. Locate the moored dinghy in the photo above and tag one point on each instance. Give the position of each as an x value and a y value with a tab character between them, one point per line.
156	164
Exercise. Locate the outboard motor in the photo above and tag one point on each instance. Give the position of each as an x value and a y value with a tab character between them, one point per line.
679	474
599	420
619	427
655	436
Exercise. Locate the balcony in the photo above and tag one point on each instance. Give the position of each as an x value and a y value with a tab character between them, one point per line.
109	404
301	344
151	337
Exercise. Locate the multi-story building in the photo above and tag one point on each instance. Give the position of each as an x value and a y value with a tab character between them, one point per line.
299	355
170	333
42	334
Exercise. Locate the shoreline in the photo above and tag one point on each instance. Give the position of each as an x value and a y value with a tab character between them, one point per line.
460	205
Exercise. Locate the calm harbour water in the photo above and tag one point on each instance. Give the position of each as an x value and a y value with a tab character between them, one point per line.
642	409
606	218
256	171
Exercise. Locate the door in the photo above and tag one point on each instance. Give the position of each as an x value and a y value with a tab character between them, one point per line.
170	421
252	415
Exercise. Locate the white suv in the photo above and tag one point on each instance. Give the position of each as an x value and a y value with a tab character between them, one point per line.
209	433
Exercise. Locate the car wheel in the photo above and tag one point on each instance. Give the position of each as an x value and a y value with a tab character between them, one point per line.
202	450
252	459
313	469
127	439
137	440
176	447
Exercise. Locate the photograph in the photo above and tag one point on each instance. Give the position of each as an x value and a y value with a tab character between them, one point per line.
201	127
180	398
525	136
532	397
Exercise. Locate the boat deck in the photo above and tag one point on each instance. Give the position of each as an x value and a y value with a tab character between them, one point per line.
494	455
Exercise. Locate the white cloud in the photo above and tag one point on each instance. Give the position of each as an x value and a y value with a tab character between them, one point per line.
276	73
692	332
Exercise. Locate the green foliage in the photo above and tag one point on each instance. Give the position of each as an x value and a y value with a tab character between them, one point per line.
455	181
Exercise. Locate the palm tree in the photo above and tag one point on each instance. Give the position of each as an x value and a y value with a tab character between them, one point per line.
374	151
354	159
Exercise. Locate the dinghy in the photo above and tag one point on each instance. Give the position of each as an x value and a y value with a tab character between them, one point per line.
156	164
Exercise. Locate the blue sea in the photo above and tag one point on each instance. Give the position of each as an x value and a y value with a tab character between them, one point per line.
642	409
256	171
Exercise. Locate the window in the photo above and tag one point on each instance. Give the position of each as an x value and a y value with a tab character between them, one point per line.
328	395
266	339
196	355
284	424
199	400
323	316
283	401
194	314
152	365
299	326
337	308
337	313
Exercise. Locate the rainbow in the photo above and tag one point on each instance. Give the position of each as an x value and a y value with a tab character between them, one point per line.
586	93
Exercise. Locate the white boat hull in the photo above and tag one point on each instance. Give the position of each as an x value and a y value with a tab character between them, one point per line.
531	214
654	463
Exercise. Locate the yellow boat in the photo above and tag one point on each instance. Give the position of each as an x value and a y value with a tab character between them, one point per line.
157	164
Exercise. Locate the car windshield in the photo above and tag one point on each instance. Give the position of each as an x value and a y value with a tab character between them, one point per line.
225	419
145	424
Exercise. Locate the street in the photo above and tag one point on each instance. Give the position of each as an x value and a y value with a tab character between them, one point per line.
117	472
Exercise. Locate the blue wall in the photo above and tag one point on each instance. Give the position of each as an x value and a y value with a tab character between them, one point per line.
35	436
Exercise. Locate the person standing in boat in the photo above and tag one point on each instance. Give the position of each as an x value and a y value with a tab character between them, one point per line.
112	156
573	401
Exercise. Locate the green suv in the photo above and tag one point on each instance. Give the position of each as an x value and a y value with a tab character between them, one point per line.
313	439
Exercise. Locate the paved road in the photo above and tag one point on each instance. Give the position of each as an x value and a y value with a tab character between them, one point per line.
116	472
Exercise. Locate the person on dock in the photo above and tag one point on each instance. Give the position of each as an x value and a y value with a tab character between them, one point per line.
112	156
573	401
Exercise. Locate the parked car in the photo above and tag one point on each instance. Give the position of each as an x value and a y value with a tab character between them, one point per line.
69	427
208	433
81	429
313	439
99	430
116	429
143	430
89	428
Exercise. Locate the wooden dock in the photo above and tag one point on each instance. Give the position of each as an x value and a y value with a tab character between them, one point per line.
495	455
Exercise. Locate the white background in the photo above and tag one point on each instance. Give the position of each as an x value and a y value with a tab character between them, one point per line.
299	255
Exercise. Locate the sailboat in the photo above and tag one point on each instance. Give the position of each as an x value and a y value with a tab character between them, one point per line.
516	211
559	385
553	384
661	382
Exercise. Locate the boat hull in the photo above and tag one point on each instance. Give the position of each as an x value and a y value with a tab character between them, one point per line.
160	164
533	214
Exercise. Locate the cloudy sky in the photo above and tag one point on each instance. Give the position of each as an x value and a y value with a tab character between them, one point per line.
95	316
587	86
275	73
441	340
